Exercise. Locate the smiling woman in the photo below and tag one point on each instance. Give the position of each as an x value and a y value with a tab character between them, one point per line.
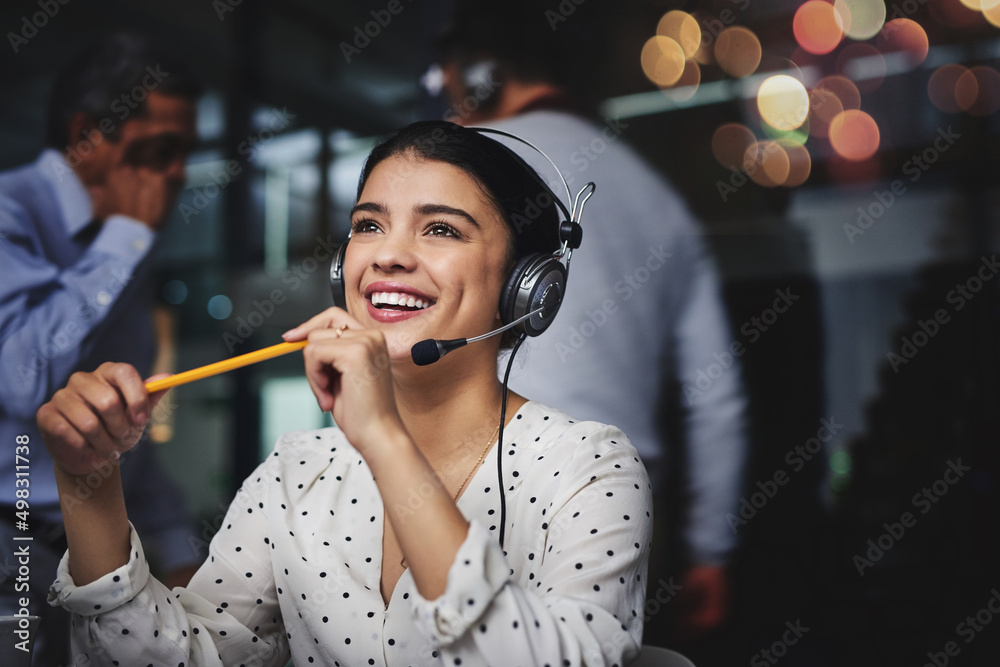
379	541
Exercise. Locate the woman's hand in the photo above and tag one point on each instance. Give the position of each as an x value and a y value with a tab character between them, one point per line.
95	418
348	369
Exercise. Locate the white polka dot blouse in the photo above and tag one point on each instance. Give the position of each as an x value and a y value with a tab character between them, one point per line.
295	568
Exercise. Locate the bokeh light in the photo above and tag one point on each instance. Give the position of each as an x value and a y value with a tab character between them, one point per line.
966	90
799	164
863	64
941	87
777	163
783	102
175	292
854	135
738	51
991	11
683	29
662	60
220	307
840	462
767	164
730	143
798	136
907	36
862	19
824	106
975	5
687	85
978	91
843	88
817	27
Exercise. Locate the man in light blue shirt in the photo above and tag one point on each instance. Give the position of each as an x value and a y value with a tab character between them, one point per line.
77	228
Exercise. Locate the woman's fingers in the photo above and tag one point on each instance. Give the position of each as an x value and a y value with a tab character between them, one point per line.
87	421
320	358
347	367
96	417
134	406
74	435
107	404
331	318
57	430
327	333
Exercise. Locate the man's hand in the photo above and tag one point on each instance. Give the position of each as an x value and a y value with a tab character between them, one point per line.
140	193
703	601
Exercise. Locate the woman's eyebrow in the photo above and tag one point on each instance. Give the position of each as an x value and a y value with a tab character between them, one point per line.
435	209
370	207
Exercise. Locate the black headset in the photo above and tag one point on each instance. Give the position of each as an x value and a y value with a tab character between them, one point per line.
537	282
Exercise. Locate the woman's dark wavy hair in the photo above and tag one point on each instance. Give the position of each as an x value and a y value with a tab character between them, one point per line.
523	199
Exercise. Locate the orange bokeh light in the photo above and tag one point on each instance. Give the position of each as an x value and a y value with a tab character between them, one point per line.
978	91
854	135
662	60
905	35
683	29
824	106
687	85
942	88
991	12
843	88
817	27
738	51
799	164
966	90
730	143
767	163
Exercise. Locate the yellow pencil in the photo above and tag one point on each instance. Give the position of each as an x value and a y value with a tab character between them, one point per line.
225	365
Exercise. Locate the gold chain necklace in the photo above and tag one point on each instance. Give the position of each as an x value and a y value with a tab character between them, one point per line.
481	457
402	561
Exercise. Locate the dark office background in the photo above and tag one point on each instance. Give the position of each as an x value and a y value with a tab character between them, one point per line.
245	258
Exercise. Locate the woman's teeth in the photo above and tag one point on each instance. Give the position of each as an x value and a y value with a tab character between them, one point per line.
398	299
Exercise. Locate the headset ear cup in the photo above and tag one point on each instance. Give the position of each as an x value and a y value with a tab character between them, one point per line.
337	276
508	297
536	280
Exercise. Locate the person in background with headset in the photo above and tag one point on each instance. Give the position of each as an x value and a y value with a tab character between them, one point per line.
394	538
644	313
77	231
